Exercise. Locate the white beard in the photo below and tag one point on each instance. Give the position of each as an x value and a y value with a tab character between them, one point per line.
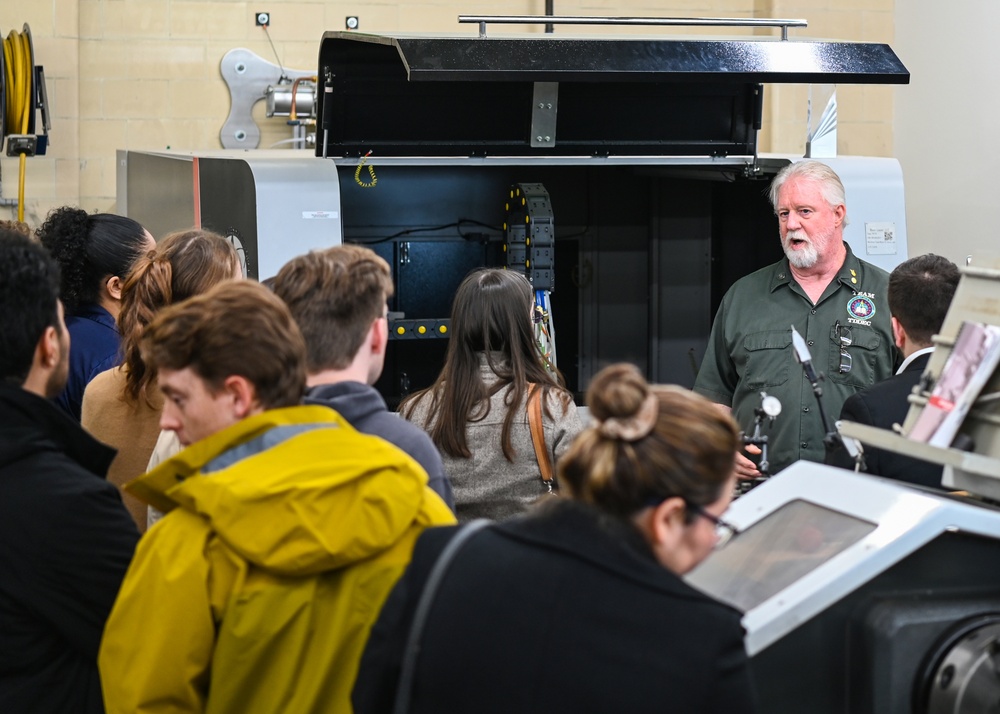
804	257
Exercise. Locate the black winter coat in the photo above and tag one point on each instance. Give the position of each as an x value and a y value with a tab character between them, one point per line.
563	610
65	543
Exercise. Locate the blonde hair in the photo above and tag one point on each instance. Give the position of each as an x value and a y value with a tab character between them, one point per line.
182	264
687	450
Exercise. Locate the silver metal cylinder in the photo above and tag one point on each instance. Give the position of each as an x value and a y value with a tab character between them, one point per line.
279	100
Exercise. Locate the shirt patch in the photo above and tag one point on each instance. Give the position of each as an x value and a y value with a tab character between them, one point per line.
861	307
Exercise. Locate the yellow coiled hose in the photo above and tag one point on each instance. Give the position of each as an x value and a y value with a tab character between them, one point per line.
18	64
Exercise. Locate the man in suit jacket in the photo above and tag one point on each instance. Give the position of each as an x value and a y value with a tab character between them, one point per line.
920	292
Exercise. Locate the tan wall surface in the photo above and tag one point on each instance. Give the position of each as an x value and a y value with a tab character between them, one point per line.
144	74
946	129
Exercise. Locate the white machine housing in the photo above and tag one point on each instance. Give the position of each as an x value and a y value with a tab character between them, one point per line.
273	205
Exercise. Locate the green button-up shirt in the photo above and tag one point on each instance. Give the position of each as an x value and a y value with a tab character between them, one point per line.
750	351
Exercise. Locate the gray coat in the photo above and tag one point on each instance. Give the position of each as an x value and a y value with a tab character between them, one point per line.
486	485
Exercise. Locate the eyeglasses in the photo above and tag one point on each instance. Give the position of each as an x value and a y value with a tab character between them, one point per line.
724	530
845	340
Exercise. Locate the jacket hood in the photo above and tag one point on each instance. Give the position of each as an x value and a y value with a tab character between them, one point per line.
297	491
352	400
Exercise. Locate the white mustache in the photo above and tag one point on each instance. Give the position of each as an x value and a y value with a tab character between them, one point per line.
797	235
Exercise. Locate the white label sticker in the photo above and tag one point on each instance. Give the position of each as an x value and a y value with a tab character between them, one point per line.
881	238
320	214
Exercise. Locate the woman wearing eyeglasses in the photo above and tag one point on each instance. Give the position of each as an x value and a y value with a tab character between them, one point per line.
579	606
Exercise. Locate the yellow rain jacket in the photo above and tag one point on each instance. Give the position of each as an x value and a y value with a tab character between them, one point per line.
257	591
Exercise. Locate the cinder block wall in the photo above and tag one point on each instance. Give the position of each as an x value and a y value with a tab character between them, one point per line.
144	74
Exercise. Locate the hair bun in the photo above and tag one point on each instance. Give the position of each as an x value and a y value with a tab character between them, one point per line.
622	404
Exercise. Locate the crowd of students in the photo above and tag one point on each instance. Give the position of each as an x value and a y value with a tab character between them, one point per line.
302	552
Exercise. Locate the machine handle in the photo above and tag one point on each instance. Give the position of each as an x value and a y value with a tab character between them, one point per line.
672	21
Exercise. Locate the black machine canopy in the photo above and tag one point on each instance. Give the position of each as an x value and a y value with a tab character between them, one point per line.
560	96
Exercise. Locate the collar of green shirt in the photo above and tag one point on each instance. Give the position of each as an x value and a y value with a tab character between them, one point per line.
851	272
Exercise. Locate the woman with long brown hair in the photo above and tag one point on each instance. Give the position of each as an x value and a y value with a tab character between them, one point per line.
579	605
476	412
122	405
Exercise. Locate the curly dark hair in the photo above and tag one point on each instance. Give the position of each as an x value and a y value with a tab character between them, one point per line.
89	248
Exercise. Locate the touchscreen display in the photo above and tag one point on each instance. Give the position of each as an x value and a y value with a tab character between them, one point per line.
776	551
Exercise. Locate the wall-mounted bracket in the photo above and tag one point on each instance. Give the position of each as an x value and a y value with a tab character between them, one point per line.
248	76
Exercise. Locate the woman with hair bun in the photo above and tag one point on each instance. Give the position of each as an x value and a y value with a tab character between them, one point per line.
579	606
476	413
95	252
121	406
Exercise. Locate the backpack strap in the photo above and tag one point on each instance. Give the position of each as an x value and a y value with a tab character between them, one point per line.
404	691
538	434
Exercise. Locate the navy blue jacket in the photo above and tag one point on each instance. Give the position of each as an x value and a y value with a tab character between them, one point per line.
95	346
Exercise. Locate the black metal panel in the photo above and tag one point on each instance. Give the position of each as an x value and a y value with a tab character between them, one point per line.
229	206
625	59
457	96
375	108
708	119
631	60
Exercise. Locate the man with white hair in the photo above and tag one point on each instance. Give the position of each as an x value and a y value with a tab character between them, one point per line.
835	300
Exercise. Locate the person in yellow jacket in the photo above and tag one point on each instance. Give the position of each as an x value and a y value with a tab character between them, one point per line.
285	530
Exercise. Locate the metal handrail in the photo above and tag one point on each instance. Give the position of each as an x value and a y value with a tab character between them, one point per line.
482	20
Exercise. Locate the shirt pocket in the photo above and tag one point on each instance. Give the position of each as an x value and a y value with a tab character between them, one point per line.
864	352
767	358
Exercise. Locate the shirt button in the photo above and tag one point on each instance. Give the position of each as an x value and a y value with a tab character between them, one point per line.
805	409
804	445
811	342
812	312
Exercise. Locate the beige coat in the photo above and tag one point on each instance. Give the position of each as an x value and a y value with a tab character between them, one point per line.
130	428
